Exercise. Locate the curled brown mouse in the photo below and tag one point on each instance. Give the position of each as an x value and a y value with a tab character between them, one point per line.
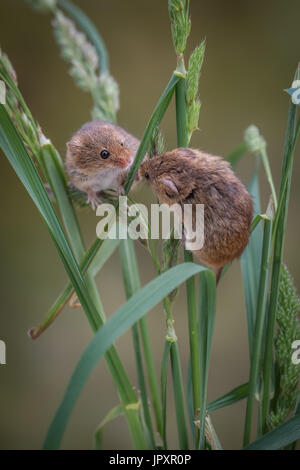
188	176
99	157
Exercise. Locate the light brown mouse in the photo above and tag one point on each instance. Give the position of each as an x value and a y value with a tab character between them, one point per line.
188	176
99	157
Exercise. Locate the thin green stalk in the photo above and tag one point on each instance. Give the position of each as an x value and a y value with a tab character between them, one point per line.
259	328
152	379
179	396
154	121
207	313
132	285
285	180
181	116
267	168
277	260
66	294
177	378
182	140
111	415
146	415
163	382
103	254
194	340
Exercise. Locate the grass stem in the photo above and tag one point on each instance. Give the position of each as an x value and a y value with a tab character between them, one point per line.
259	327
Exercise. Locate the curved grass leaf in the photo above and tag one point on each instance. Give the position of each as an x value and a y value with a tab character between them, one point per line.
21	162
111	415
52	165
137	306
132	284
235	395
280	437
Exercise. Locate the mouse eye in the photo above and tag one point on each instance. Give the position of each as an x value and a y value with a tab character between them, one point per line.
104	154
122	144
147	175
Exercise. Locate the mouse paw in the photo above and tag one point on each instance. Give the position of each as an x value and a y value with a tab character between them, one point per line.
74	302
120	191
93	199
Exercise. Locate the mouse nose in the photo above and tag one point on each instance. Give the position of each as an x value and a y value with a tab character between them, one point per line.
126	159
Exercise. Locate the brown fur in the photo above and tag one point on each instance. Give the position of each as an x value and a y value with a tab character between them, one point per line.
83	158
188	176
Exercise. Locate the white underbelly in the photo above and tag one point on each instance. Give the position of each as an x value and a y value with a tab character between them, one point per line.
105	180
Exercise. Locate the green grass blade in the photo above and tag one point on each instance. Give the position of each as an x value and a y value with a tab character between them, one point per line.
113	414
132	284
250	262
20	160
179	396
190	403
137	306
285	180
207	313
266	164
51	163
259	327
280	219
235	395
280	437
147	421
57	181
193	340
102	256
183	141
152	379
181	114
153	123
163	384
90	30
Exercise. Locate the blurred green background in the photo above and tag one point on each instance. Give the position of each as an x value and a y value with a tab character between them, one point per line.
252	52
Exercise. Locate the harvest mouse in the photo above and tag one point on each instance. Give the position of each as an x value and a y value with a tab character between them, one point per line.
99	157
188	176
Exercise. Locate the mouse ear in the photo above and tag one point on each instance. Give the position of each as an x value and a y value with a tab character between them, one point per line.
73	145
169	186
